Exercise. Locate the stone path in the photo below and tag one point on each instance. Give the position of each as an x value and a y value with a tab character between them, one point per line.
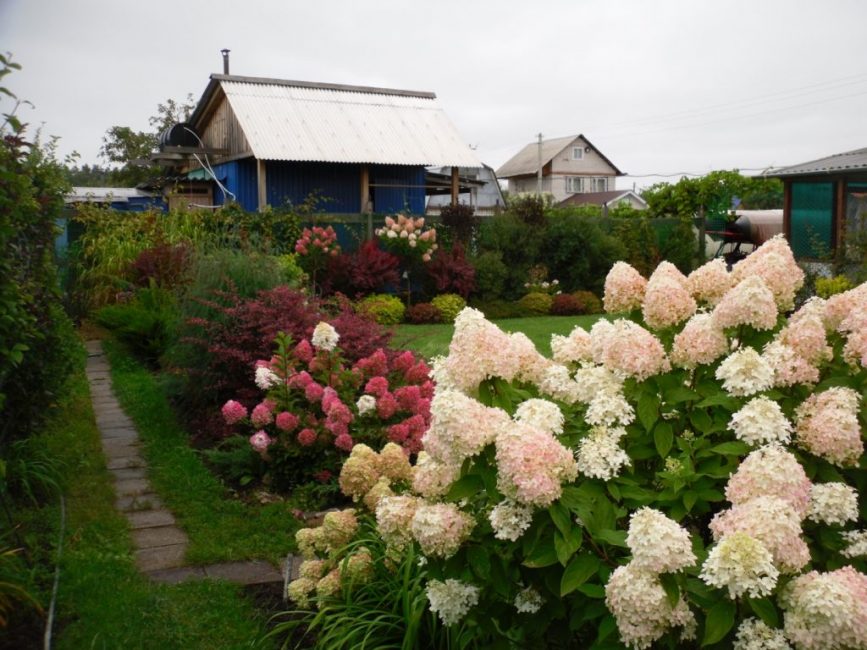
160	543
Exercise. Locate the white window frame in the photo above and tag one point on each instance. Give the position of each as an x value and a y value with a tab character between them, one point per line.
573	182
601	180
577	153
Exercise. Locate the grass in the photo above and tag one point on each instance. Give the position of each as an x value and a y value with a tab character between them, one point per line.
220	529
432	340
103	601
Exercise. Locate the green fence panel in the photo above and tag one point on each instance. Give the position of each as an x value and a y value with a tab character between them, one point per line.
812	218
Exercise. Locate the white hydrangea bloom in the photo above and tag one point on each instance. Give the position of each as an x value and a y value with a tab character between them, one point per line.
266	378
510	519
366	404
600	455
324	337
658	544
451	599
753	634
742	564
833	503
857	540
557	383
745	372
542	414
608	409
594	380
761	421
439	373
528	601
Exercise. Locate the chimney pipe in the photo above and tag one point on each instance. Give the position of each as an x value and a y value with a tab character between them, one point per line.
225	54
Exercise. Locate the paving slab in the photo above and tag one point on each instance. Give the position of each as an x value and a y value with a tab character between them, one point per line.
255	572
138	503
162	557
158	537
292	567
150	518
119	433
131	487
126	462
119	448
175	576
129	472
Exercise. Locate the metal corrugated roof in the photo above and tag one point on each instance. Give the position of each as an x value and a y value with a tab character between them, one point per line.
326	124
104	194
526	161
854	161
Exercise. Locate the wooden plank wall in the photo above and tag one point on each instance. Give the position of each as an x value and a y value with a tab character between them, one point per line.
224	132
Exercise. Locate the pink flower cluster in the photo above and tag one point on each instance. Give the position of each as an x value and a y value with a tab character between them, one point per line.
710	282
826	424
629	349
750	302
700	342
411	231
624	289
317	239
775	264
667	300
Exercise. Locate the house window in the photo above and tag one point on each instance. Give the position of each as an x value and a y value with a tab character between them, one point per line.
577	153
600	184
574	184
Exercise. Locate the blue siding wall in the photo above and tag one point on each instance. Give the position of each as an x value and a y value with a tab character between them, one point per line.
337	184
397	199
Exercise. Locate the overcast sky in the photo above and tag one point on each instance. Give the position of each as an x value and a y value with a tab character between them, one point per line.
659	86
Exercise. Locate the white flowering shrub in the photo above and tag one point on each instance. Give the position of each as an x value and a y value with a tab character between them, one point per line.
689	474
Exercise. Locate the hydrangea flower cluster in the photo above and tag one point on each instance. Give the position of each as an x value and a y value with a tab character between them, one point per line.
403	234
826	424
314	402
317	240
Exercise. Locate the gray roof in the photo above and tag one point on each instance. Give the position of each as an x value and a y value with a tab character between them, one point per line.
526	161
104	194
599	198
303	121
849	161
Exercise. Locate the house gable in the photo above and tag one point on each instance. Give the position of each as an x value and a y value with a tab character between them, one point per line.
590	163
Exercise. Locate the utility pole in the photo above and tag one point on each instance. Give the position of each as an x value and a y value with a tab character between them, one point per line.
539	173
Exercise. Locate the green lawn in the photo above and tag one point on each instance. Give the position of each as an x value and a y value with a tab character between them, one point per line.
433	340
103	601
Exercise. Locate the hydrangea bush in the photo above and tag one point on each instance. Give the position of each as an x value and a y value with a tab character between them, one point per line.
687	474
315	406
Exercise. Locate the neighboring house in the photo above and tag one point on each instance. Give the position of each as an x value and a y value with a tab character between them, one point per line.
570	165
272	142
479	188
822	199
605	199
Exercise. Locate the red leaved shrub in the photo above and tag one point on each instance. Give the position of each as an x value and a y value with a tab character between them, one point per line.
450	272
423	312
365	271
165	264
565	304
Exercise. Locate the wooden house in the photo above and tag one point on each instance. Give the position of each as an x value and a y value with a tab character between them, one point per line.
275	142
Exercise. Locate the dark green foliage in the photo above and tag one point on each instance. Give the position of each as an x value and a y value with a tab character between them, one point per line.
491	275
647	242
460	222
146	323
496	309
530	209
36	338
579	253
519	246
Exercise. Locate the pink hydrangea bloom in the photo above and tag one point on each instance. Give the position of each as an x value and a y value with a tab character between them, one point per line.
404	361
750	302
532	465
344	442
419	373
427	390
461	427
286	421
826	424
774	263
408	397
398	432
772	521
431	478
375	364
262	414
700	342
313	392
709	282
634	352
854	327
329	398
770	471
304	351
300	380
530	365
478	350
440	528
386	406
260	440
667	301
233	411
624	289
376	386
789	367
574	348
805	334
839	306
306	437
